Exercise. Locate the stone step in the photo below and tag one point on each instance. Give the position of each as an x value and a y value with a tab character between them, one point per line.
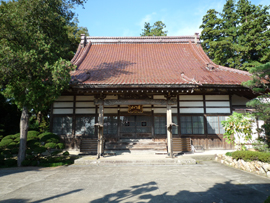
136	140
134	152
134	159
134	144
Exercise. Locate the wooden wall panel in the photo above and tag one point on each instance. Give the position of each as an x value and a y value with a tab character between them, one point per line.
212	143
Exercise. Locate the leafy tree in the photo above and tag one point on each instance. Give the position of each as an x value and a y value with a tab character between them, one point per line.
238	126
211	32
10	117
155	30
260	84
35	49
237	37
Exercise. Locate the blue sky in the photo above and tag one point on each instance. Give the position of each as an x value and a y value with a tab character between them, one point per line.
127	17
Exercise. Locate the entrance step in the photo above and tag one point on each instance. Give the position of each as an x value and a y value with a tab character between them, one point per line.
88	146
136	144
143	159
135	152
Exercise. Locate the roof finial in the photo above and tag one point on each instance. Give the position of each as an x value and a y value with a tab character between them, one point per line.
83	40
196	37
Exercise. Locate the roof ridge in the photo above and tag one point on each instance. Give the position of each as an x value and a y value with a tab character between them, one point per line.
203	54
146	39
197	54
81	58
234	70
76	54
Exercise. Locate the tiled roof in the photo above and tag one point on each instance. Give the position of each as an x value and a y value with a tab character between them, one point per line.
149	60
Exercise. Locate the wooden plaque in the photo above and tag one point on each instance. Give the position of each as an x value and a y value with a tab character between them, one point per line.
135	108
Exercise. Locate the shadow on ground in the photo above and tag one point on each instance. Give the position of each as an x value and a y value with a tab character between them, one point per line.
219	193
42	200
150	192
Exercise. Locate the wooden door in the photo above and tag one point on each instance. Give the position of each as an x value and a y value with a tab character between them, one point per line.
136	126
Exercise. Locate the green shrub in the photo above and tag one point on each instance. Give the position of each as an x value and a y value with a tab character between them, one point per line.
56	152
66	153
54	140
50	145
13	145
34	163
39	150
26	163
46	136
33	144
9	137
228	154
267	200
32	135
15	150
62	163
17	139
61	145
10	162
1	137
43	134
251	156
5	142
30	157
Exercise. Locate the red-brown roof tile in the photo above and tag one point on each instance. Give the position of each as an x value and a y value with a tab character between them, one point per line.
154	60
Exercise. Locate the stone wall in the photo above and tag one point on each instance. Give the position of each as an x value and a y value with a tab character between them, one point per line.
257	167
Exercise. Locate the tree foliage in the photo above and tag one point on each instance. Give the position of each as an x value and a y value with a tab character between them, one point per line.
10	117
260	84
238	36
157	29
238	126
36	45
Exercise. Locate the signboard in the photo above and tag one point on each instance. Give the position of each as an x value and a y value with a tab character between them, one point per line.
135	108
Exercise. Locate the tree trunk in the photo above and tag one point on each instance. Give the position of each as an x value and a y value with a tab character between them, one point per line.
23	135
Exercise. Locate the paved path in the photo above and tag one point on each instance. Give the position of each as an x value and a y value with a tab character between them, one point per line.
206	182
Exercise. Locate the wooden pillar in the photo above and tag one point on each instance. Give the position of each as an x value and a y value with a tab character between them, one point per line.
100	130
169	131
118	123
74	125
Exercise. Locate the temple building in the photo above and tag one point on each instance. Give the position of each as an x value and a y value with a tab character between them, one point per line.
150	93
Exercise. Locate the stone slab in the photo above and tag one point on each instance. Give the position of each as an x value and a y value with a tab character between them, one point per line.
205	182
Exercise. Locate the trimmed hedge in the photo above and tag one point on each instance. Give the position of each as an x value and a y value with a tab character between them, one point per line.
251	156
5	142
228	154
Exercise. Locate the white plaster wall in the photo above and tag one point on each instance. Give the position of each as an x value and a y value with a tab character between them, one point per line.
65	98
237	100
217	97
84	98
191	97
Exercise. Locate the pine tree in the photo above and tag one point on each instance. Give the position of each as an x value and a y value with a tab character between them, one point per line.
211	33
244	31
155	30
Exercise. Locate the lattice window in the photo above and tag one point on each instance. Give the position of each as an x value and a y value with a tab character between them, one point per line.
85	125
160	125
110	125
214	125
62	125
192	125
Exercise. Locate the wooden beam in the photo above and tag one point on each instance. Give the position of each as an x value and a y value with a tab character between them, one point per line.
100	130
110	102
169	131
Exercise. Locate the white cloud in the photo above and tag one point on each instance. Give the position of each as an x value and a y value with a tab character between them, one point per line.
147	18
128	33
